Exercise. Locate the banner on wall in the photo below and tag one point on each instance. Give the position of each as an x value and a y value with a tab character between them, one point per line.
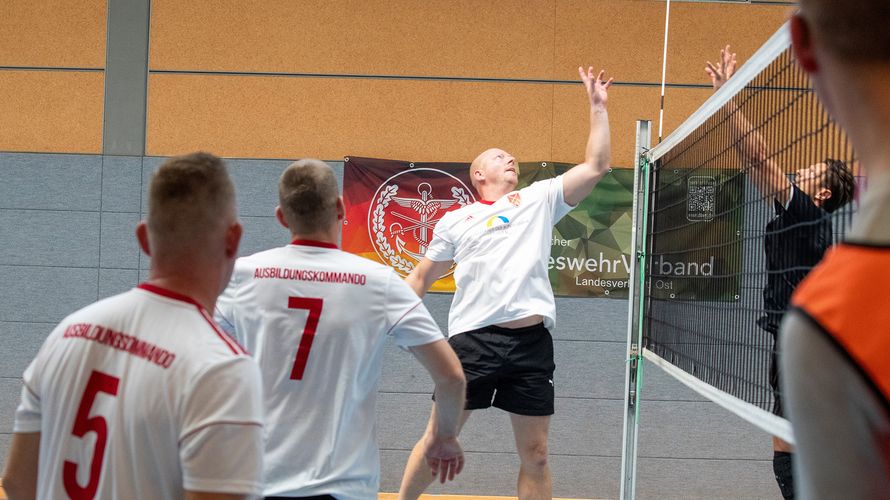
392	207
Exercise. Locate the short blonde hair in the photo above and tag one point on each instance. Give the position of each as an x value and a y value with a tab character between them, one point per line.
190	198
307	195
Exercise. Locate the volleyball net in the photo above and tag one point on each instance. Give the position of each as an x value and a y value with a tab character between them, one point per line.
733	213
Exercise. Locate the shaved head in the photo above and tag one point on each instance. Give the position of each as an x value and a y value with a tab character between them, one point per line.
479	163
307	195
857	30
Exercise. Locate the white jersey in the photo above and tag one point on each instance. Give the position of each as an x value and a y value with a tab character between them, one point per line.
141	396
317	319
501	250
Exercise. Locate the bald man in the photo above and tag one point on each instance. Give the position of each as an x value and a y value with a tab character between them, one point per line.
141	395
834	342
316	319
503	307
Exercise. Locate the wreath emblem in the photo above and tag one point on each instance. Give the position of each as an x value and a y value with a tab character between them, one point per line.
405	210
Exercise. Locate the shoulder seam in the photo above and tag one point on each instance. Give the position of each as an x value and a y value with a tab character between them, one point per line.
846	354
231	343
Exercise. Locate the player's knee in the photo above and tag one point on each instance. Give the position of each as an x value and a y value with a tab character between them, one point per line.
534	455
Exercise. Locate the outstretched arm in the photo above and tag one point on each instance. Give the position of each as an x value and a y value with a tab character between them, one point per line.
580	180
425	273
748	142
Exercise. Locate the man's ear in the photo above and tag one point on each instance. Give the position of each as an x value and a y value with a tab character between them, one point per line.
341	208
142	237
279	215
233	239
478	175
823	194
802	43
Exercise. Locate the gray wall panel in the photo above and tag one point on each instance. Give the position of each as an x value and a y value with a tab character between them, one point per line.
149	165
672	479
591	319
659	386
698	430
262	233
5	439
49	181
10	392
126	70
19	343
115	281
256	185
589	369
45	294
49	238
120	249
121	183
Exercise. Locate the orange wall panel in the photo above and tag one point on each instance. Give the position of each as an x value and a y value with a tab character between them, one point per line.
507	38
53	33
571	121
625	37
699	30
283	117
51	111
679	104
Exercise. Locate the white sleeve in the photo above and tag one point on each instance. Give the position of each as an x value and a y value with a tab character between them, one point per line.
838	420
28	413
441	248
221	445
410	324
552	192
557	200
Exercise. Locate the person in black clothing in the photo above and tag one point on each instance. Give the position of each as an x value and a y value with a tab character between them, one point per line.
795	239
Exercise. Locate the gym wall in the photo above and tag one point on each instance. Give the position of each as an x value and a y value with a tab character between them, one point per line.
97	93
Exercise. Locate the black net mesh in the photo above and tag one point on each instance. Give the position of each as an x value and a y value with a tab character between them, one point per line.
728	237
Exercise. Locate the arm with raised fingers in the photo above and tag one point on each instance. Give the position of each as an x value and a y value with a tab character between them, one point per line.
580	180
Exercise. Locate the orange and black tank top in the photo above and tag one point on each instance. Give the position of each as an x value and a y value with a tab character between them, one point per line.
847	297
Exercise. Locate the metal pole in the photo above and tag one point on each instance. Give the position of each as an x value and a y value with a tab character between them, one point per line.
632	381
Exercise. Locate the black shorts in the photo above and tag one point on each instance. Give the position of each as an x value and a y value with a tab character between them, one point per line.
508	368
770	325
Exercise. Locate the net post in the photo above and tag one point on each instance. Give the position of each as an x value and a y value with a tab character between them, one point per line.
632	379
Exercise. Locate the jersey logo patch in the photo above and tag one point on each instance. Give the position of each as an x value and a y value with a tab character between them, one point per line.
496	220
514	199
406	208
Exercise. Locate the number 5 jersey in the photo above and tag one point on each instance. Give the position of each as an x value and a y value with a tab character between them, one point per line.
141	396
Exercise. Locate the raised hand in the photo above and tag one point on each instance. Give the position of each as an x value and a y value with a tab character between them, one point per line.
724	69
445	458
597	89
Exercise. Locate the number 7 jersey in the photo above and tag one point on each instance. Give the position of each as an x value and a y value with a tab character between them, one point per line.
317	319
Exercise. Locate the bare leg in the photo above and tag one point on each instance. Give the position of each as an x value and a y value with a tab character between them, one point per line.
782	467
534	471
779	445
417	476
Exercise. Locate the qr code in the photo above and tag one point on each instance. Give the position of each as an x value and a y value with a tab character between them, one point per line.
701	199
